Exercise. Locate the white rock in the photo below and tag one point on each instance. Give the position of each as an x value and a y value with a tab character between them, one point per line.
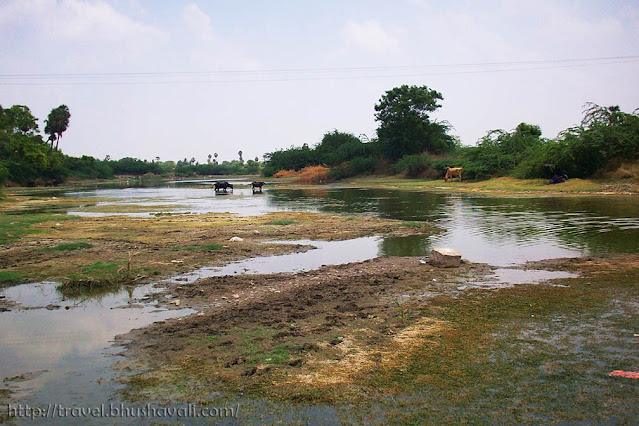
236	239
444	257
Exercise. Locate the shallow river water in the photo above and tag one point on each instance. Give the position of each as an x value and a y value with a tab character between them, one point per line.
51	354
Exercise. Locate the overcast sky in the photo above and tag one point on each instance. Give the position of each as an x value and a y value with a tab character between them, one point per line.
176	79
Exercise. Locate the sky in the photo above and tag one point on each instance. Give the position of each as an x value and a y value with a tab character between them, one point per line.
180	79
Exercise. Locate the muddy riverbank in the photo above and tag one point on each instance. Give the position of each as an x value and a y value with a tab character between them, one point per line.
102	252
366	333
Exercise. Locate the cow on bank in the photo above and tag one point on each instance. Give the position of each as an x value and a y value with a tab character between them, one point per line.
453	172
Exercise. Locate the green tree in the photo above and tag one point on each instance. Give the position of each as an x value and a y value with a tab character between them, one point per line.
56	124
18	119
405	126
500	152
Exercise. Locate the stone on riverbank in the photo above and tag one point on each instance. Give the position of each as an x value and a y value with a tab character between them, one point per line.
444	258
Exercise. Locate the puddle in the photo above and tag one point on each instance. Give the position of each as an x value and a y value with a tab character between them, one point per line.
530	276
63	356
323	253
507	277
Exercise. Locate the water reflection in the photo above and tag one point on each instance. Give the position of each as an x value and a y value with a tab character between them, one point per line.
496	230
499	230
322	253
64	349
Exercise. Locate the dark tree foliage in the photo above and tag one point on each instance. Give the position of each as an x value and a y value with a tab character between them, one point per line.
500	152
405	126
87	167
18	119
606	136
24	157
134	166
289	159
234	167
56	124
336	149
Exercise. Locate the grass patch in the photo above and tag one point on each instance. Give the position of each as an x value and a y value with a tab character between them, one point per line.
102	278
11	277
282	222
206	339
69	246
413	224
100	266
278	355
15	226
500	184
86	288
521	355
256	346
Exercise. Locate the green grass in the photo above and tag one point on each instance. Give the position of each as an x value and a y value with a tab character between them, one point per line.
256	346
277	355
11	276
95	273
414	224
282	222
521	355
206	339
100	266
205	247
15	226
70	246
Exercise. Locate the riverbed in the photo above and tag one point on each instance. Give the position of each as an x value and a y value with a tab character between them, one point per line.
48	349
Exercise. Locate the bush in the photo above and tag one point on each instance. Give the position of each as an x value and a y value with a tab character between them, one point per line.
413	165
285	174
314	174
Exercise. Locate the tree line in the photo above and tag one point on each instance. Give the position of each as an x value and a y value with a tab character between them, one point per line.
26	158
411	143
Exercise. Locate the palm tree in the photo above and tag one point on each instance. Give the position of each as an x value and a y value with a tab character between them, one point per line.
56	124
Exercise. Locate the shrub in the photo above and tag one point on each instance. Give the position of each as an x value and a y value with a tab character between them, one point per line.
413	165
285	174
314	174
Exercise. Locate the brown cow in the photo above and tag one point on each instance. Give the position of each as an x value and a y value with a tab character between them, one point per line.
453	172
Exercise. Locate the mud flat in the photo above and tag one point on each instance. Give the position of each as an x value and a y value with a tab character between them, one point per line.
359	336
104	252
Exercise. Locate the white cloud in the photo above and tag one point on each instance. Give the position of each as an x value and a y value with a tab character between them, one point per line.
78	21
368	36
198	22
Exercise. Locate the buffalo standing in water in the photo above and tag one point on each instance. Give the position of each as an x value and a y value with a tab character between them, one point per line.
257	186
222	186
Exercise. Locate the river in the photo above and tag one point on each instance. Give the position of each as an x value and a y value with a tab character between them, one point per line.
50	351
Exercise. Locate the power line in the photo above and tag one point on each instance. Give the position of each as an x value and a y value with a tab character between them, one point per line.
301	74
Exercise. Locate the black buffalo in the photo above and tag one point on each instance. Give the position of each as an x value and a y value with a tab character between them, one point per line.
222	186
257	186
